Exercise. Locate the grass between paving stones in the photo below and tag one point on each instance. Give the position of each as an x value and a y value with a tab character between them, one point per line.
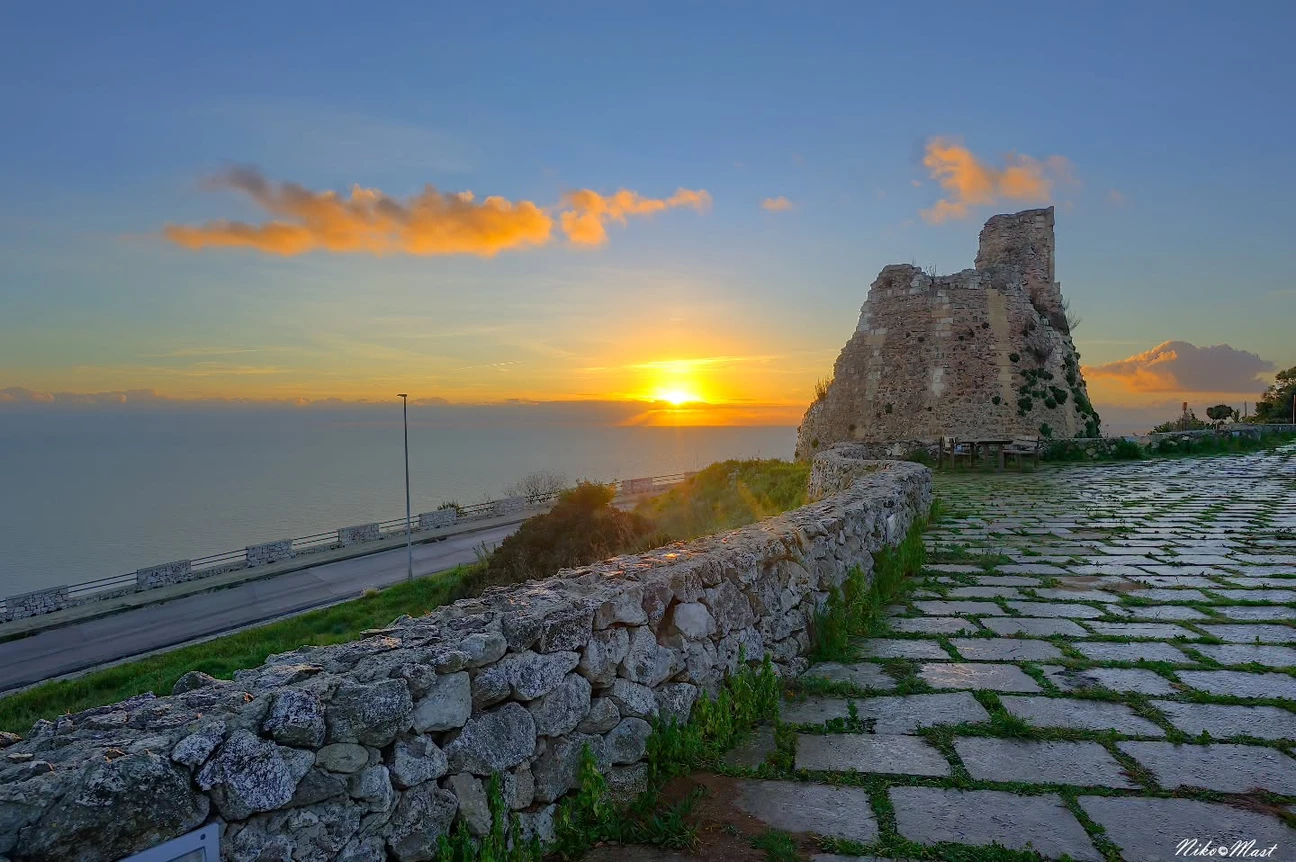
778	846
1003	725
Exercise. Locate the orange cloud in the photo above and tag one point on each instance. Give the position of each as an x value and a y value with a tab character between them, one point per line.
969	182
1179	366
429	223
777	205
589	212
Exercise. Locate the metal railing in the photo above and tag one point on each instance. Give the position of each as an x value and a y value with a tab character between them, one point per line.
65	596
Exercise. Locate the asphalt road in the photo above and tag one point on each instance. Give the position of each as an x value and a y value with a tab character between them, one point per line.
59	651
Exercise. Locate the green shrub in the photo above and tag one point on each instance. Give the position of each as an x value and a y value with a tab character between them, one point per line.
728	494
1127	450
582	527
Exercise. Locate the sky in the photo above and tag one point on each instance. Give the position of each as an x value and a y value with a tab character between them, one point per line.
580	202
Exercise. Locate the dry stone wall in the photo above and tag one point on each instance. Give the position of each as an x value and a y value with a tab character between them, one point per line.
371	750
983	353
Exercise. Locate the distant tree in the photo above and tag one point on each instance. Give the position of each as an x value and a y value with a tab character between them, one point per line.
1276	404
1187	422
1221	413
538	486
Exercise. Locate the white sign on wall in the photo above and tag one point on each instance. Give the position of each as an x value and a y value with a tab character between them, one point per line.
200	846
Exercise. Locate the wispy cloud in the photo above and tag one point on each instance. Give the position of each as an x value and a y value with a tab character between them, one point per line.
968	181
1178	366
588	214
429	223
777	205
1116	198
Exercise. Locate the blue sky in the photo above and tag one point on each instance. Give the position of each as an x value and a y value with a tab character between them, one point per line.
1174	225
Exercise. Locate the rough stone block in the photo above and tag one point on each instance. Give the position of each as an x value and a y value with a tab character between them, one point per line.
269	552
164	575
358	533
438	520
35	603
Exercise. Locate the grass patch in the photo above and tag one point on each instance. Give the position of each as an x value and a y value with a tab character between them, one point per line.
858	607
728	494
221	656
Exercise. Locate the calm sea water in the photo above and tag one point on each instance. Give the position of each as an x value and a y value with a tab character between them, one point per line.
85	494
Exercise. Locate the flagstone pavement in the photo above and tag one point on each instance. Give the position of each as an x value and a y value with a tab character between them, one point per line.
1098	663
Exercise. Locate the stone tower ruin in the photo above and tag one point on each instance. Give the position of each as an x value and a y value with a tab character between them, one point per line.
983	353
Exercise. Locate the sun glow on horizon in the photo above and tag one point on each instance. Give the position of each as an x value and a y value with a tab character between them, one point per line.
678	397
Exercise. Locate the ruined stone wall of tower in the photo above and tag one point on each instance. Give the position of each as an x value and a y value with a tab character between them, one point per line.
983	353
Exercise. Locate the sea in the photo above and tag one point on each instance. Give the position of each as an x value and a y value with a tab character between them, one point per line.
88	493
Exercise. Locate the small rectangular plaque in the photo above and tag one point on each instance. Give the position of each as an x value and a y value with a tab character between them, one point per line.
200	846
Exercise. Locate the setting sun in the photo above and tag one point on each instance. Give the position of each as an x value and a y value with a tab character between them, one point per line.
677	397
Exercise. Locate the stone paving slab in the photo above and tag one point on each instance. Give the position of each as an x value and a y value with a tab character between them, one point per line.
989	677
863	674
894	754
984	593
1130	652
1176	581
1222	721
1225	767
892	713
933	625
1113	678
931	815
1005	649
1273	656
1034	626
1029	569
1255	613
1258	595
1085	764
754	750
1056	609
900	648
1007	581
1151	830
1245	634
1148	631
1161	613
1062	595
965	608
1079	715
836	812
1178	594
1237	683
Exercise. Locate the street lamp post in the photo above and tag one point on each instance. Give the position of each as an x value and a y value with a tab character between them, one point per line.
409	540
